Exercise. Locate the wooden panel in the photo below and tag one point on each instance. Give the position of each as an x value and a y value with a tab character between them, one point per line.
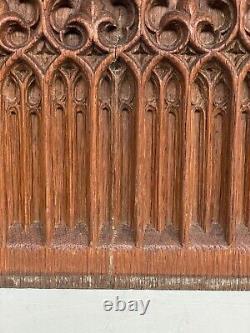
124	143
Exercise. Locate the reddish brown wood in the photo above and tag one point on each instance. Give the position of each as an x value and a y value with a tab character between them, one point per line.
124	132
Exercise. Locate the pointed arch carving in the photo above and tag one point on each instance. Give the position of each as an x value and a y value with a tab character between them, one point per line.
22	114
69	138
164	116
212	119
117	101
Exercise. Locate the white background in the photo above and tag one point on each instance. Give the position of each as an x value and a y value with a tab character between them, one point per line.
81	311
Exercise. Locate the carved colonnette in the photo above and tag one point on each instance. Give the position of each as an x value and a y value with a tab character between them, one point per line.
124	132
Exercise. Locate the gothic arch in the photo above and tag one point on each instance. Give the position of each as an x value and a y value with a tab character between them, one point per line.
23	116
164	116
116	142
69	139
211	118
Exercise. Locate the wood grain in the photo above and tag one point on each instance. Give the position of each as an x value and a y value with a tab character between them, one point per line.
124	143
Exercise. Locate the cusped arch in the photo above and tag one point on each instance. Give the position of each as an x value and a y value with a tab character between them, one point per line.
25	61
111	60
22	112
211	117
172	61
23	73
117	101
164	115
72	60
68	128
218	60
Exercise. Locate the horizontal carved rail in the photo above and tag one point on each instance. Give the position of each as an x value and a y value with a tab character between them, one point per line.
124	131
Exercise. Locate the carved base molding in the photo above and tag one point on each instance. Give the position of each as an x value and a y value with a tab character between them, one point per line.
124	282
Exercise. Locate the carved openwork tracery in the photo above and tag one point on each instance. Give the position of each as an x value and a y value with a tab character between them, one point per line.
207	24
19	22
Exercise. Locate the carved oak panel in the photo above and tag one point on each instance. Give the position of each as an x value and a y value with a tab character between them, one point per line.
124	143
